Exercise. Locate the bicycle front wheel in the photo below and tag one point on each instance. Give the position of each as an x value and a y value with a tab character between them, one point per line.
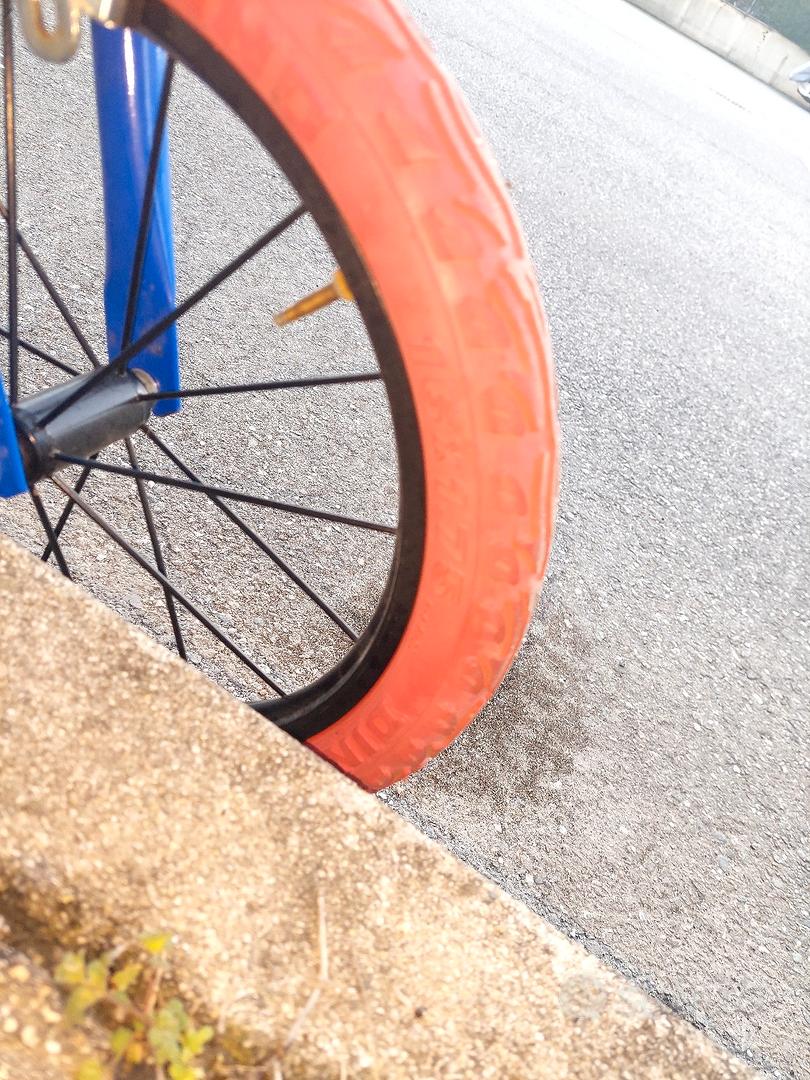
388	166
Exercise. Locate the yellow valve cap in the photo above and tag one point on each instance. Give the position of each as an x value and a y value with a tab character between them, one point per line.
337	289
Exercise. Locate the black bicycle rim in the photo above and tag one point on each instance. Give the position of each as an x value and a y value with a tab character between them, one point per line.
312	709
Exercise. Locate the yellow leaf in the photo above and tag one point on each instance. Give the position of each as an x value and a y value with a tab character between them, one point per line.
135	1053
96	976
80	1000
195	1039
120	1040
155	944
91	1069
123	979
179	1071
70	970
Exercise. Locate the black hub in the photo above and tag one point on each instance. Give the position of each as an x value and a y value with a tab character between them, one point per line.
111	410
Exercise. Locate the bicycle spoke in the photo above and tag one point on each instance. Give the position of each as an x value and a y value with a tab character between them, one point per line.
53	539
278	384
120	361
254	536
144	563
227	493
53	292
11	200
66	512
87	348
160	563
133	291
28	347
131	310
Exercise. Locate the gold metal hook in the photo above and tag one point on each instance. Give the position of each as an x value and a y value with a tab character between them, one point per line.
58	43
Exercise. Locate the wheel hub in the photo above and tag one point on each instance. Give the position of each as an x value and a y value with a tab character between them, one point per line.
109	411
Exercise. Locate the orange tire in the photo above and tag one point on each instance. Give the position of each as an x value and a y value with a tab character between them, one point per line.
393	143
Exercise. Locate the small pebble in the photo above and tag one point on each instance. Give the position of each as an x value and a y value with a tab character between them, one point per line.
53	1047
19	973
29	1036
10	1025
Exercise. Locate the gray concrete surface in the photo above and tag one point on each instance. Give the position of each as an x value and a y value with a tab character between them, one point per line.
641	777
135	796
740	38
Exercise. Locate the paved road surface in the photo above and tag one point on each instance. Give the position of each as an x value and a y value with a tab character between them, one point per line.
642	776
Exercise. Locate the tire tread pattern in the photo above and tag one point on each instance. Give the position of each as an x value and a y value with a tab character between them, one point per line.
391	138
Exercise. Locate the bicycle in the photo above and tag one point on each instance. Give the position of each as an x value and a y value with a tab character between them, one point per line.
385	174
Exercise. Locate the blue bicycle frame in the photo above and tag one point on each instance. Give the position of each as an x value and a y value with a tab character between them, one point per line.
129	71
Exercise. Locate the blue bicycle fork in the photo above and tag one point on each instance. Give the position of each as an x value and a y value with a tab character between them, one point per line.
129	72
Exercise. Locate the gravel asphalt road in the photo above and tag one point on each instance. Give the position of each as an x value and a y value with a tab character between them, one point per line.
641	777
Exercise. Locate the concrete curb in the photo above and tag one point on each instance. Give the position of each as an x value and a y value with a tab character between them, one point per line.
135	795
739	38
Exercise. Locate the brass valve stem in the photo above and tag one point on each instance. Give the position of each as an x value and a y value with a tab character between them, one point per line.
337	289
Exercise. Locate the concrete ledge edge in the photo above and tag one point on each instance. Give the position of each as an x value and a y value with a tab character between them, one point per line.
739	38
135	795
